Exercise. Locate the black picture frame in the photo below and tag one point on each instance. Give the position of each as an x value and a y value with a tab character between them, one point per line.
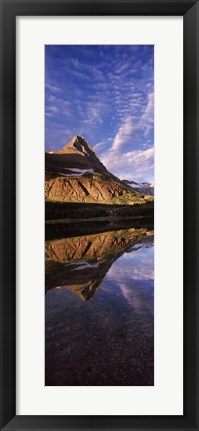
189	9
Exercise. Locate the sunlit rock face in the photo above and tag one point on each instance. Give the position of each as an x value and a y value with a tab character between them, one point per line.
81	263
75	174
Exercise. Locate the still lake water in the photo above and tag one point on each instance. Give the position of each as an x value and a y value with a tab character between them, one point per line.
99	309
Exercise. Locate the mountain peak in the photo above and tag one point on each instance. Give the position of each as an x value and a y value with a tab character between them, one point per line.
78	145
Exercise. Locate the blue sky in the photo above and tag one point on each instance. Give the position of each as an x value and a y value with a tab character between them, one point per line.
106	94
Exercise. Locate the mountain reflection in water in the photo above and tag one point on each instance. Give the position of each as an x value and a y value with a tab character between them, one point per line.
99	309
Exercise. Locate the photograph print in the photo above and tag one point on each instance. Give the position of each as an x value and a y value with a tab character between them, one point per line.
99	215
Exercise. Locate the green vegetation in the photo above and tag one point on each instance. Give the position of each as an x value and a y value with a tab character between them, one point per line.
69	211
57	230
92	219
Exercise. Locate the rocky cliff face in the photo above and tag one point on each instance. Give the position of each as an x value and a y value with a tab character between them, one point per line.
96	189
94	246
75	174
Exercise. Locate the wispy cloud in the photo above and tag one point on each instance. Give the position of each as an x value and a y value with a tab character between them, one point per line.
136	164
52	88
124	133
147	119
104	93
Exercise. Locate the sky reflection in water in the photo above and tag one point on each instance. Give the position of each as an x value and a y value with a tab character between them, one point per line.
107	339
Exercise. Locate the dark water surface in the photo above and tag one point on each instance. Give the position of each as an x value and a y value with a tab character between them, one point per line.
99	309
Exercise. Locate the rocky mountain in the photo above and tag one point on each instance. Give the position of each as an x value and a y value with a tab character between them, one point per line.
146	188
75	174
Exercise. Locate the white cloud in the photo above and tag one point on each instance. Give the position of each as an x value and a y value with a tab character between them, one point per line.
122	68
99	146
53	109
147	119
140	157
131	165
57	105
140	120
124	133
52	88
134	158
135	128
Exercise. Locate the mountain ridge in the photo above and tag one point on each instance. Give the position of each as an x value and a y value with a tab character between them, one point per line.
146	188
75	174
78	145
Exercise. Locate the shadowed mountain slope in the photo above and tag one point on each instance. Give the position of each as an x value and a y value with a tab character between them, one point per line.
75	174
146	188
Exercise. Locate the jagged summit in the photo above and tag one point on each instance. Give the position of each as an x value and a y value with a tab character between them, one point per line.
77	155
78	145
75	174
